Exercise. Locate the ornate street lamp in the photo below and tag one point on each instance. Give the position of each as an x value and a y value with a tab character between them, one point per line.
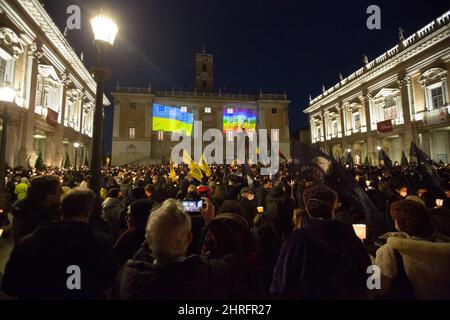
7	97
105	31
76	145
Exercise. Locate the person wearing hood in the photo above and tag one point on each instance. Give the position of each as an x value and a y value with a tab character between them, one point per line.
323	260
279	210
112	209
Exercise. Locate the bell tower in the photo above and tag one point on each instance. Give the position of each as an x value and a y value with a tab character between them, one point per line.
204	71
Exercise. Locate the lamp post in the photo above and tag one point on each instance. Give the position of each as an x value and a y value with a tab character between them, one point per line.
76	145
7	96
105	30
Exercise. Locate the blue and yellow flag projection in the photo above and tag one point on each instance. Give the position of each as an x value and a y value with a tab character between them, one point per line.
172	119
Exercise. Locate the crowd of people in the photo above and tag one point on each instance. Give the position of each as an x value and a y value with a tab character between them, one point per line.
285	236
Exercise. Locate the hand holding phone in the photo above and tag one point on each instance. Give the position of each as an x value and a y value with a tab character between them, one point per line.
208	212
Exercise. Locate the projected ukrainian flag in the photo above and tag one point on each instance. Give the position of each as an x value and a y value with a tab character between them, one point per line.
172	119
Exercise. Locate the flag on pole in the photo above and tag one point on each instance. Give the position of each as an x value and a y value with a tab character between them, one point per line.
387	162
195	172
404	162
172	174
203	164
342	182
429	176
186	157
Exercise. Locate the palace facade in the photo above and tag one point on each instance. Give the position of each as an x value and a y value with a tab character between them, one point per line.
397	98
55	91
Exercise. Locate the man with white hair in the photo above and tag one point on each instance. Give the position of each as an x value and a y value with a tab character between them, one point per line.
161	270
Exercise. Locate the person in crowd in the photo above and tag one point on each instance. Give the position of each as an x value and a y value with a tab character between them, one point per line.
161	270
299	218
62	259
40	205
440	220
21	189
150	191
429	199
219	195
133	237
279	210
397	191
262	192
126	187
192	193
112	209
138	191
248	205
323	260
412	265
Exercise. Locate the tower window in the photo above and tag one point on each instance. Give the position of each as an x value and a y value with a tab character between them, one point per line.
183	109
207	109
204	67
132	105
160	135
204	84
131	132
274	110
229	110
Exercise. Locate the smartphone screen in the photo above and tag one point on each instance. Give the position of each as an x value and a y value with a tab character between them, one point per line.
439	202
192	206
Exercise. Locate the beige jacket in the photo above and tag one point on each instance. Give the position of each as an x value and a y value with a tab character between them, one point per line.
427	265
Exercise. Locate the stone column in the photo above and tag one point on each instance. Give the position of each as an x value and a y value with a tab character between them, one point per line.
404	82
59	134
11	142
27	155
371	148
324	129
49	148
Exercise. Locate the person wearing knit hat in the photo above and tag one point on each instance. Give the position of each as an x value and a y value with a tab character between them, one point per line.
326	258
203	191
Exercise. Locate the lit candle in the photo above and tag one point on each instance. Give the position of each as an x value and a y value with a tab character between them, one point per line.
360	230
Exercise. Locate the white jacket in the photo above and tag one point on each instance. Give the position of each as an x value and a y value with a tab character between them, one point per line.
427	265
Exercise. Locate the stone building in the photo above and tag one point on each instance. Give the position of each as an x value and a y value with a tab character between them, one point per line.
55	91
399	97
134	141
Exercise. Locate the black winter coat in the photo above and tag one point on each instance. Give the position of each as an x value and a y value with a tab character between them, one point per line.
39	264
324	260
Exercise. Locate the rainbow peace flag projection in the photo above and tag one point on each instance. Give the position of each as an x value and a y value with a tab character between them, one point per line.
172	119
239	119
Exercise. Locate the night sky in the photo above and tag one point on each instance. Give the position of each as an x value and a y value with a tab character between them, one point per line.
277	45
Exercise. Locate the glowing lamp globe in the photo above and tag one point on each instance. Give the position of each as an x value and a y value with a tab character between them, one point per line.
104	28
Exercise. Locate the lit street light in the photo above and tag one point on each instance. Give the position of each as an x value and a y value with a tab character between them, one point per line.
105	30
76	145
7	97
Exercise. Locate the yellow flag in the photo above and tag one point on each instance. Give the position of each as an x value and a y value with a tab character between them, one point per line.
172	174
204	166
186	157
195	172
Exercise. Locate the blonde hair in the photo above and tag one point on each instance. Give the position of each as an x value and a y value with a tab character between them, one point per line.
299	218
167	230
